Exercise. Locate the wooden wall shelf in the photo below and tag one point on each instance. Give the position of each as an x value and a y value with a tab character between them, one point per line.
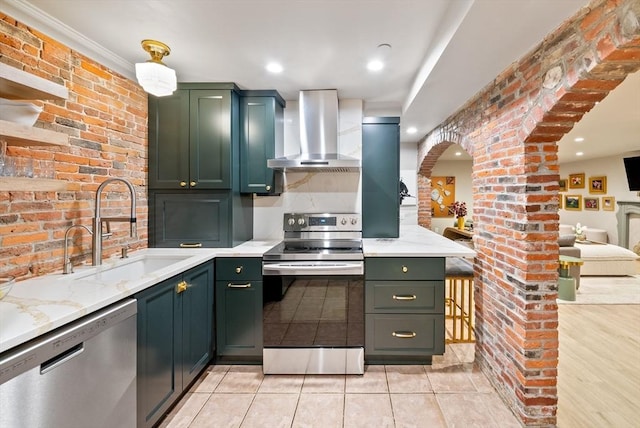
21	135
16	84
26	184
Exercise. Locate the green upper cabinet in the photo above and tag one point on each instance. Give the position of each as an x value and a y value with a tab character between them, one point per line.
191	137
261	138
380	177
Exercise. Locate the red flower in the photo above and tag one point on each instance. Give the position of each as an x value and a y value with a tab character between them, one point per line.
459	209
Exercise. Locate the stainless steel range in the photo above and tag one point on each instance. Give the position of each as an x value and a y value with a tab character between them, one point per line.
314	296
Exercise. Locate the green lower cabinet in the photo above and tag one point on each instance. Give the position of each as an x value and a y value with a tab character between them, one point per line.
404	309
239	310
175	339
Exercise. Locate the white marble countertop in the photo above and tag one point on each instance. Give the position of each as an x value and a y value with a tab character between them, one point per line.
415	241
39	305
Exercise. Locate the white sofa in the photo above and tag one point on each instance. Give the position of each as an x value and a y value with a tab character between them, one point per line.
601	258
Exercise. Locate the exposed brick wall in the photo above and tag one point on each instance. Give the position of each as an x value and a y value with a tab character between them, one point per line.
511	129
105	117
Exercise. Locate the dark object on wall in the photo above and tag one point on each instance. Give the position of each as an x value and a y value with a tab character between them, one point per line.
632	166
404	192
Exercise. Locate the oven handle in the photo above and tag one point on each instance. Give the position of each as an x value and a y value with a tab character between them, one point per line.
311	268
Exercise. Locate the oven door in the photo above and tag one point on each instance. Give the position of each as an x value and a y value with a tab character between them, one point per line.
315	324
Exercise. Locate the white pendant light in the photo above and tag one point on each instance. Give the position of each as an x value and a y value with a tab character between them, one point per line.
154	76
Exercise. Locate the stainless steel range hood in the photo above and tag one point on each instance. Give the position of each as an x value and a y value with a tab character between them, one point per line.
318	137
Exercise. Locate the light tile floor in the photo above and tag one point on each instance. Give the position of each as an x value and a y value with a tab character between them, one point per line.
451	392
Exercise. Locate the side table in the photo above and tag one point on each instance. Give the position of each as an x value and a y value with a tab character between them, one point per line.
566	283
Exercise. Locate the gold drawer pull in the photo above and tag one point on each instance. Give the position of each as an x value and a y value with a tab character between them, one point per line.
190	245
238	269
230	285
404	297
268	188
192	183
181	287
183	184
405	269
404	334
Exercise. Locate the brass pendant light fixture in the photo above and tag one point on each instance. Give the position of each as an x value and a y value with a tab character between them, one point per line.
154	76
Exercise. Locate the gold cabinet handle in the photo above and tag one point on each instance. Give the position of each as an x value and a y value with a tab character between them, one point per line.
405	269
268	188
404	297
192	183
231	285
238	269
190	245
183	184
404	334
181	287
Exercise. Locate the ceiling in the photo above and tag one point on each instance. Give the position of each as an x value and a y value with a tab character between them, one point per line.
442	51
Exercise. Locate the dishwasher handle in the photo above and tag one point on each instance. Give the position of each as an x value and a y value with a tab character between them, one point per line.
61	358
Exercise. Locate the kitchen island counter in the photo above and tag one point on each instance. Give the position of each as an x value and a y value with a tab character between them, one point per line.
415	241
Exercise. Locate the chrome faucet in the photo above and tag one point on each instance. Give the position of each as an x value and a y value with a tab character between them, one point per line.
68	267
97	220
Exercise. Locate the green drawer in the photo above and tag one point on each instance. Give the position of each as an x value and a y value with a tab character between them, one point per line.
404	296
405	268
239	268
404	335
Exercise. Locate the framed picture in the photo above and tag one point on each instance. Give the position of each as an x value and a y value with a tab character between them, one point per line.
443	194
563	185
560	203
573	202
608	203
576	181
591	203
598	184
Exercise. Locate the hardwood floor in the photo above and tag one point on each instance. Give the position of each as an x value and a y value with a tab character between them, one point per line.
599	366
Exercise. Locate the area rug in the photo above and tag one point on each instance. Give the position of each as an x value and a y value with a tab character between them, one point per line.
607	290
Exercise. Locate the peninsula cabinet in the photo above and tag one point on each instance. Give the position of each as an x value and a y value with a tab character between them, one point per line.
193	134
404	309
380	177
261	138
195	219
239	309
175	339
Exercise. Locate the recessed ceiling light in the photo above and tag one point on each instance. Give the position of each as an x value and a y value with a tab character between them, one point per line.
579	153
375	65
412	130
578	139
274	67
458	153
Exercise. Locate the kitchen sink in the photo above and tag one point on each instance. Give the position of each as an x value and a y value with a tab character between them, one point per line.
130	269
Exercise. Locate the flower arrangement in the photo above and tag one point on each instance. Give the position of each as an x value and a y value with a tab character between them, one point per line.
459	209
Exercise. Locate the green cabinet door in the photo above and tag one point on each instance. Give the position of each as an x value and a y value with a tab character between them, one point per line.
175	339
158	383
197	321
261	138
190	219
210	139
381	177
169	141
239	309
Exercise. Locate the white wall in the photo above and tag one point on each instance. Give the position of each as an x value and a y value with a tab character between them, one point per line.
611	167
313	192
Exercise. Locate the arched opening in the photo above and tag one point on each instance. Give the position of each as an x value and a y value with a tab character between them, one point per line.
511	129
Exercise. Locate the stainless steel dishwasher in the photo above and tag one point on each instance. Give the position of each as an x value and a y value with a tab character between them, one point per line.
80	375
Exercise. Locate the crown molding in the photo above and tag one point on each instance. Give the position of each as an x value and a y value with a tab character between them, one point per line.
35	18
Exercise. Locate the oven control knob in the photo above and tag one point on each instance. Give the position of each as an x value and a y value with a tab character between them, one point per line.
354	220
301	221
343	221
291	222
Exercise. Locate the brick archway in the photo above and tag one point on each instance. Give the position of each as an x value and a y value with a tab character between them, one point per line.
511	128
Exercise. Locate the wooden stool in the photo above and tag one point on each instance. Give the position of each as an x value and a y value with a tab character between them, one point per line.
566	283
459	300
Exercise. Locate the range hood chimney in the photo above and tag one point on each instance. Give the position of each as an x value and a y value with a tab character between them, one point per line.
318	137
